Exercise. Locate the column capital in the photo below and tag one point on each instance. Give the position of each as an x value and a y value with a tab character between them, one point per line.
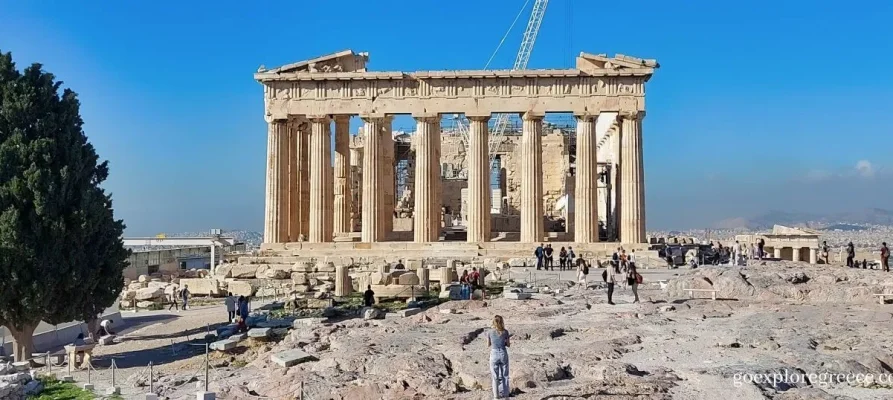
426	117
533	116
376	117
478	118
341	118
632	114
323	118
585	117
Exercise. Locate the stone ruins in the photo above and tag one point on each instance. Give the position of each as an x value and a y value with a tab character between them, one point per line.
548	176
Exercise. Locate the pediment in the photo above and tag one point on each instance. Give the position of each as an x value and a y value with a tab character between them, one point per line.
595	62
786	230
342	61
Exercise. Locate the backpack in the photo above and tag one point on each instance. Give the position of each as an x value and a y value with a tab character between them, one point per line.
639	278
585	269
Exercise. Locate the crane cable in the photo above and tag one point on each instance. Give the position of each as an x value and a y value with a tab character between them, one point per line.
507	34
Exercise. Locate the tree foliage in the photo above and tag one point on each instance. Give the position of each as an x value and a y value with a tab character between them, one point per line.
61	253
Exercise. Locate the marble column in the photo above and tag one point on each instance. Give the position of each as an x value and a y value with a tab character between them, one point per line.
321	188
586	184
342	176
813	256
479	192
297	179
372	179
632	214
616	181
532	178
388	180
776	253
302	141
277	132
426	213
795	254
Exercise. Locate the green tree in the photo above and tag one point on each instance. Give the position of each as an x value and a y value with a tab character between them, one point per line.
61	253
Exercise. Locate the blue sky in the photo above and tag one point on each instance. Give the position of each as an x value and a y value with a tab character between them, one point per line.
758	105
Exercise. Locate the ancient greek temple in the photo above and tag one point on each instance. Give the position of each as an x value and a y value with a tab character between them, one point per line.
312	198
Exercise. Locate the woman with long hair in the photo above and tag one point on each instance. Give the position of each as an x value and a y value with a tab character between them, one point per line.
498	341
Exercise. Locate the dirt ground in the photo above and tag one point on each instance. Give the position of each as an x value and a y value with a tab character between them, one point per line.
771	338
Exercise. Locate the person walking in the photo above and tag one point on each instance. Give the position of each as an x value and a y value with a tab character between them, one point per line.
825	251
184	294
850	254
633	279
610	277
562	259
760	245
230	303
624	260
885	257
174	298
582	272
538	252
571	256
733	261
498	340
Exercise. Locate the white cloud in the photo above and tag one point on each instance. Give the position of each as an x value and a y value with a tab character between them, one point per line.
865	169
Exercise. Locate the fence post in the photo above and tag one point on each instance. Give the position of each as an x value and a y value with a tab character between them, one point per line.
151	383
207	364
113	373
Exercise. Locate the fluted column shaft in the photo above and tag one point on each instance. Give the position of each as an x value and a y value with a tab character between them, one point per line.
342	175
632	215
273	221
388	180
586	185
297	180
302	142
478	180
372	180
321	185
532	179
426	213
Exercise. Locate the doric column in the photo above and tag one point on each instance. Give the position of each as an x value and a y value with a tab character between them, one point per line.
388	179
586	185
321	190
632	214
617	179
277	135
795	254
478	180
342	175
813	257
776	252
532	179
303	153
426	213
297	176
356	189
372	179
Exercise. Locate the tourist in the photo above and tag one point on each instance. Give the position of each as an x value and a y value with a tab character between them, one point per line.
464	277
474	278
885	257
760	245
538	252
79	341
582	272
562	259
624	260
633	279
736	252
754	253
498	340
609	277
632	257
850	254
243	308
230	302
368	296
174	298
864	263
570	256
615	258
825	251
547	252
399	265
184	294
105	328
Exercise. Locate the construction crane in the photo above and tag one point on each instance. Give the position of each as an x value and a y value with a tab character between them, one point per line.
521	59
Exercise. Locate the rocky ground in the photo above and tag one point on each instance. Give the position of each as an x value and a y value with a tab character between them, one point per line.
780	323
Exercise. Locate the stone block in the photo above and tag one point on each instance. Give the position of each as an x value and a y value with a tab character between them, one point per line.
516	296
299	278
151	396
205	395
224	345
145	304
325	267
409	278
88	387
113	391
414	265
21	365
307	322
291	357
259	332
302	267
107	340
203	286
276	323
149	293
274	272
244	271
371	313
409	312
224	271
318	303
240	288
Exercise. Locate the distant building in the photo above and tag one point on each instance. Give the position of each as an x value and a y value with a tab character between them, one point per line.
168	260
786	243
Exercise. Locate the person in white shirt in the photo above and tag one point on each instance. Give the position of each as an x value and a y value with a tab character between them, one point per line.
105	328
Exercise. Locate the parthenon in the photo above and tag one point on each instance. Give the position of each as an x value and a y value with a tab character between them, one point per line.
310	197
